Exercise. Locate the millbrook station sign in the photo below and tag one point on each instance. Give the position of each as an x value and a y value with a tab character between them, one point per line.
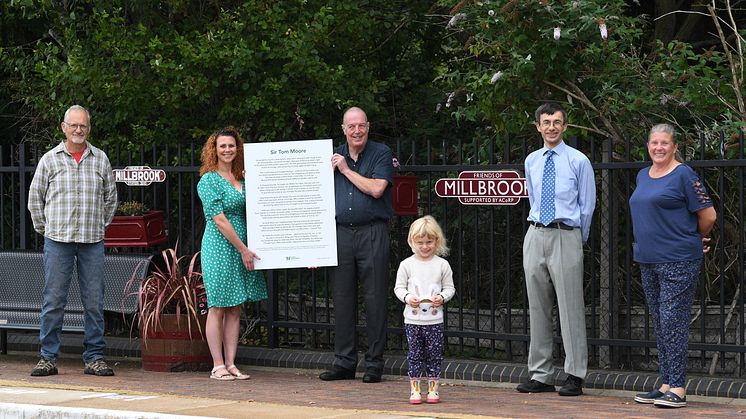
500	187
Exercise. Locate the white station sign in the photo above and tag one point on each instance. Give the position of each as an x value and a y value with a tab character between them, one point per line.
139	175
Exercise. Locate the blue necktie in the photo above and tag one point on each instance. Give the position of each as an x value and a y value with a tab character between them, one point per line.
546	211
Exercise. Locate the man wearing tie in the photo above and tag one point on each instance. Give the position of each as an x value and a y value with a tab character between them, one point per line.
562	196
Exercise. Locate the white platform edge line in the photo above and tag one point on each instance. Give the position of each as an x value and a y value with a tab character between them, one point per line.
18	410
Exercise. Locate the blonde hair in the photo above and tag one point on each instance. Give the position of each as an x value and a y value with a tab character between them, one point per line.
428	227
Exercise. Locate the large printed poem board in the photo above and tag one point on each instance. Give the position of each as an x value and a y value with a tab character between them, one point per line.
290	210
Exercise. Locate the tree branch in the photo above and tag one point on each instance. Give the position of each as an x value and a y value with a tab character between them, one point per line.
578	94
729	54
738	40
701	13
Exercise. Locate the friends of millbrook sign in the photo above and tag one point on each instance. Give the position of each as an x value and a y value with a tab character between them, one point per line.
500	187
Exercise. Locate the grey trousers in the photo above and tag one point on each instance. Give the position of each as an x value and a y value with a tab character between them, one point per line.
553	264
362	258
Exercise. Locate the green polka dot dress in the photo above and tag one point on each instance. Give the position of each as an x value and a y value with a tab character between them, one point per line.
227	281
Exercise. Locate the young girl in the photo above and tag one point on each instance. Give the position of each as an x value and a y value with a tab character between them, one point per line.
424	283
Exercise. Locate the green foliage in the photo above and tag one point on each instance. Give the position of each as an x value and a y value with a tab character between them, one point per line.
131	208
509	56
174	71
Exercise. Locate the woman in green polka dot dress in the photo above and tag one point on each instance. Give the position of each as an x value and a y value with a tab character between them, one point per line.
227	264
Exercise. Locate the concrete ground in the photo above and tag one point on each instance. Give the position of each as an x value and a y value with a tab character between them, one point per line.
291	393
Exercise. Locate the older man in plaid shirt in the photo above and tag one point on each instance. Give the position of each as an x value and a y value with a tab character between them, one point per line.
72	199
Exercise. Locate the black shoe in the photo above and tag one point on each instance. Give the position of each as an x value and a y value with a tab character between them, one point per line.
44	368
649	397
573	386
337	373
372	376
534	386
670	399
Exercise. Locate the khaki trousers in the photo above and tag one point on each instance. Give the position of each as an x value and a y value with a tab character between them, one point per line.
553	264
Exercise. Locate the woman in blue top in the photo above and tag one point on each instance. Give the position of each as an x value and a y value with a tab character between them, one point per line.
227	264
672	215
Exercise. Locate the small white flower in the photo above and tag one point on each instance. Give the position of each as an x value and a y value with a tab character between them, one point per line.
665	98
528	57
469	97
604	32
557	32
491	13
438	107
495	77
450	99
455	20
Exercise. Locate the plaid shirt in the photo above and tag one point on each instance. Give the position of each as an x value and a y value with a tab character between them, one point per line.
73	202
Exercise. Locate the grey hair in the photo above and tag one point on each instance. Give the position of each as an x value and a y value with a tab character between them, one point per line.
665	128
75	108
670	130
354	109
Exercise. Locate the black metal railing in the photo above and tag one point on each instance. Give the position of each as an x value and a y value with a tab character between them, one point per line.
489	315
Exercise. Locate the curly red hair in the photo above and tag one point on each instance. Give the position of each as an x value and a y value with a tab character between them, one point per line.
209	157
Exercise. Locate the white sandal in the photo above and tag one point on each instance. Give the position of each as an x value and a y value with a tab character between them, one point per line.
238	375
222	377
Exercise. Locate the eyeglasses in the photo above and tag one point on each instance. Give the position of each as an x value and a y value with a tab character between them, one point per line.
556	123
362	127
76	127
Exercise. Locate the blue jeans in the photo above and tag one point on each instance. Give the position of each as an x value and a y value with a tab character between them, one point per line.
58	268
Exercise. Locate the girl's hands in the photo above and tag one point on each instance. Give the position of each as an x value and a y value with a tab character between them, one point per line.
413	301
437	300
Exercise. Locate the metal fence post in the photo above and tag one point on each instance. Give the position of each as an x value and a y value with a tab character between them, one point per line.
271	310
22	195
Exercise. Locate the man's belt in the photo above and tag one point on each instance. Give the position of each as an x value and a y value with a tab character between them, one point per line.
557	225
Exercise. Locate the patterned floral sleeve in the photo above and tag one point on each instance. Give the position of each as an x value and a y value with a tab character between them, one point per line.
696	193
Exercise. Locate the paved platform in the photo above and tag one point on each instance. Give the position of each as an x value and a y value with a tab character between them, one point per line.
469	371
294	393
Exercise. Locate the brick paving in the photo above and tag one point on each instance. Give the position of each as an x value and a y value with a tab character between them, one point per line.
293	387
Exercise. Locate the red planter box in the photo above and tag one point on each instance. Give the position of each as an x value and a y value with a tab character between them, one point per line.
404	195
136	231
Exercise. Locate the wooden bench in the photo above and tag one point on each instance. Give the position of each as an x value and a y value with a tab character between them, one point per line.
22	285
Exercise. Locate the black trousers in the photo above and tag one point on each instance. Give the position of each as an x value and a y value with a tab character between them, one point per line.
363	258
